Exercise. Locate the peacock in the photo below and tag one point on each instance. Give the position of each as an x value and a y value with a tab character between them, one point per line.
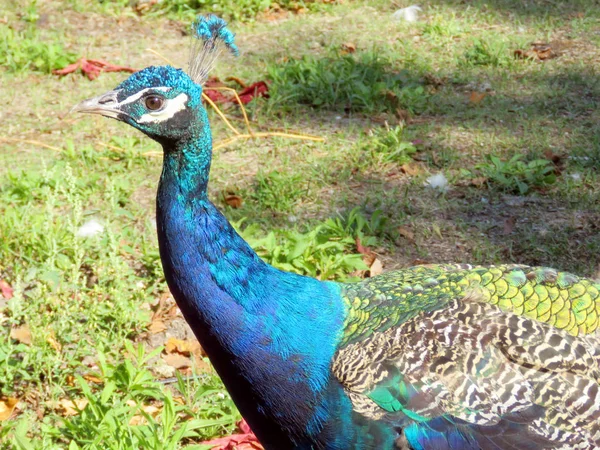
429	357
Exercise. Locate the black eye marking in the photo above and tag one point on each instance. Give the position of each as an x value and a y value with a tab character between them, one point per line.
154	102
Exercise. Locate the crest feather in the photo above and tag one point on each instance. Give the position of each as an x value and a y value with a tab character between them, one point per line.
210	36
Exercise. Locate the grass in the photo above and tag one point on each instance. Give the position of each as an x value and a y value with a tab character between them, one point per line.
518	140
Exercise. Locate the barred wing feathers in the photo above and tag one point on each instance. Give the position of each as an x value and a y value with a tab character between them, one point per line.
462	357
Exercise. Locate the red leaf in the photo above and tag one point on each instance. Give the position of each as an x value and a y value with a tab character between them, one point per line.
246	440
6	290
258	89
92	68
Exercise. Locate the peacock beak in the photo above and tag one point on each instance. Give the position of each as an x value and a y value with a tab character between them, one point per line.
105	105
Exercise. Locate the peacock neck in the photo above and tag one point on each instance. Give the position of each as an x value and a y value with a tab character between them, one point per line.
263	329
222	260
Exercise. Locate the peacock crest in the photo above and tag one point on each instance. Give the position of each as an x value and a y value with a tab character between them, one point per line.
210	36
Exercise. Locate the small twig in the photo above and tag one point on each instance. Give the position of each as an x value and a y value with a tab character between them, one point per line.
32	142
220	113
239	100
122	150
164	58
231	140
174	379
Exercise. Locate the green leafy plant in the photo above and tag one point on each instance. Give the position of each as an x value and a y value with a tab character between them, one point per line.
389	146
516	175
26	50
278	191
487	53
359	83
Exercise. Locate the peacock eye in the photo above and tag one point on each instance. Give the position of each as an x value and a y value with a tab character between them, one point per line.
154	102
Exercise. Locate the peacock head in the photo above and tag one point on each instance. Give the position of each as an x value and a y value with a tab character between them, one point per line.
163	102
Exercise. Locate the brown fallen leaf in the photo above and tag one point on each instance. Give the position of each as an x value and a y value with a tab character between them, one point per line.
509	225
348	47
157	326
478	181
151	410
419	262
403	115
369	255
434	80
68	407
376	268
185	348
145	6
21	334
410	169
6	290
54	343
235	201
407	233
538	52
93	378
7	406
476	97
177	361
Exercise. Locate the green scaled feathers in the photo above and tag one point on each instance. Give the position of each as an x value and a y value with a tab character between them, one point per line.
560	299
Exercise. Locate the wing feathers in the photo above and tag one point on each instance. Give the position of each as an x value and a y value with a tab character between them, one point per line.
474	376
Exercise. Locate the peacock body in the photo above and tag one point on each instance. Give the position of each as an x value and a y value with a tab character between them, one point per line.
430	357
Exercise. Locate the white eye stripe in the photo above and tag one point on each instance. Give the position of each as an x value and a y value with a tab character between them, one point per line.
173	106
138	95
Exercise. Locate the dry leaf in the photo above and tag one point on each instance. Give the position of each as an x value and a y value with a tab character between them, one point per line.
7	406
418	262
376	268
509	225
369	255
402	115
478	181
54	343
185	348
69	407
348	47
93	378
476	97
177	361
151	410
538	51
235	201
407	233
21	334
434	80
157	326
410	169
6	290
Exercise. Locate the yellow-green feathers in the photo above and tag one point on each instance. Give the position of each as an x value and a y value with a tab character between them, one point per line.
560	299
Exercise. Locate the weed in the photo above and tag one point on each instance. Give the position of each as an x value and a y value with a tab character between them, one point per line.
26	50
487	53
325	251
387	146
516	175
361	83
278	191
